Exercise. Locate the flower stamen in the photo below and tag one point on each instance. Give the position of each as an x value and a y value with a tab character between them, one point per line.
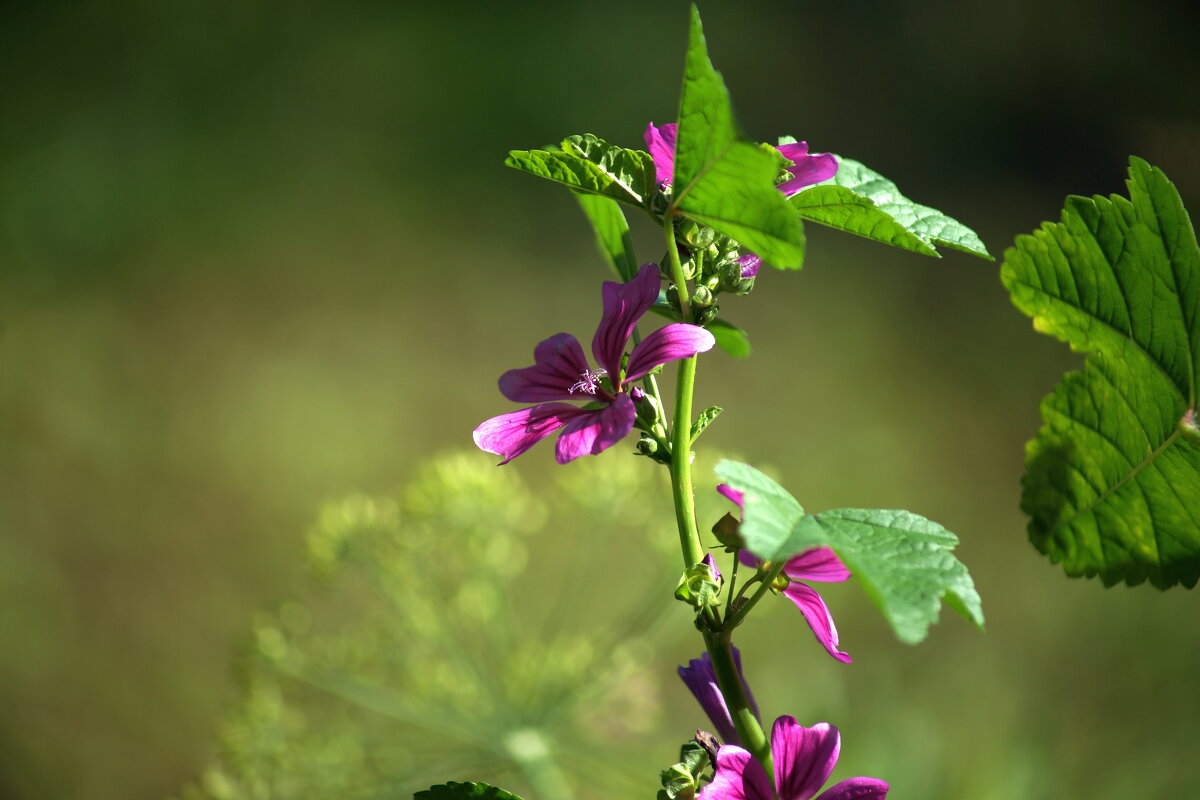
589	381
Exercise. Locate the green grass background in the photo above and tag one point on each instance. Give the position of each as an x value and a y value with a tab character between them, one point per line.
258	254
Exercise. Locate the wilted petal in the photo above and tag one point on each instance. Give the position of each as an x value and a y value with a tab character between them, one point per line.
750	264
698	676
660	141
738	776
817	564
857	789
804	757
677	340
595	431
807	169
624	305
510	435
817	615
559	364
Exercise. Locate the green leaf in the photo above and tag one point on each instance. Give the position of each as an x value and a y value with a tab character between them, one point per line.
704	420
721	178
730	338
589	164
453	790
903	561
861	201
1112	483
612	233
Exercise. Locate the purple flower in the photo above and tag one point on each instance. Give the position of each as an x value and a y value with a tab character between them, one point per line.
806	169
817	564
702	680
803	758
561	372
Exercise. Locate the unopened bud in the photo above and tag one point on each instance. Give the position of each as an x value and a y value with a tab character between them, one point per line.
647	446
743	286
727	532
661	200
702	297
707	315
696	235
673	296
700	584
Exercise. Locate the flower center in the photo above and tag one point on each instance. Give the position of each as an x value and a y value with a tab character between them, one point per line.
589	381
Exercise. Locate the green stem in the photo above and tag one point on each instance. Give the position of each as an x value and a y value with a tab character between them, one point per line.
744	609
720	651
681	466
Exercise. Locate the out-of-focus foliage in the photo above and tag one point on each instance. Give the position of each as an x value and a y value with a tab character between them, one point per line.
1113	478
418	655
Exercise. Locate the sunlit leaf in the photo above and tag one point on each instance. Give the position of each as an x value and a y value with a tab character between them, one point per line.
730	338
1112	485
861	201
903	561
464	791
722	179
589	164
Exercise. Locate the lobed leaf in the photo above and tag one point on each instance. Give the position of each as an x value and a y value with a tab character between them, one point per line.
721	178
861	201
454	790
589	164
904	561
1112	483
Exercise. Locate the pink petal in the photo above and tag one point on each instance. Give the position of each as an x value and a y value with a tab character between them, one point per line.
809	170
660	141
699	676
857	789
730	494
738	776
796	151
558	364
817	615
624	305
510	435
804	757
669	343
593	432
817	564
750	264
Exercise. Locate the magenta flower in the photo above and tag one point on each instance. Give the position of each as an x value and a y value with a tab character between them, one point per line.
803	758
818	564
561	372
699	676
806	169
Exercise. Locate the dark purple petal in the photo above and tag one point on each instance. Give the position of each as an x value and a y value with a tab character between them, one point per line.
510	435
595	431
675	341
711	563
698	675
624	305
738	776
807	170
730	494
660	141
857	789
817	564
748	559
559	364
804	757
750	264
817	615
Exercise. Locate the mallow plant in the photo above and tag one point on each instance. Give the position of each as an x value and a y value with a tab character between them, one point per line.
1112	483
1111	488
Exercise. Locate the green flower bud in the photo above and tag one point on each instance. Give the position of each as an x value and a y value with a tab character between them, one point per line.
661	199
707	315
647	446
696	235
702	297
673	296
743	286
700	584
727	532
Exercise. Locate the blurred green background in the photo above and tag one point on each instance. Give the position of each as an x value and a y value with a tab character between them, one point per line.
255	255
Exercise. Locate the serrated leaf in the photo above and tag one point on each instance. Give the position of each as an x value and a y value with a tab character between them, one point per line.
904	561
730	338
453	790
1112	483
721	178
887	216
589	164
612	233
704	420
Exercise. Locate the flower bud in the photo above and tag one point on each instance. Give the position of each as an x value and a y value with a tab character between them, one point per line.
673	296
702	297
727	533
707	315
696	235
661	199
646	446
700	584
742	287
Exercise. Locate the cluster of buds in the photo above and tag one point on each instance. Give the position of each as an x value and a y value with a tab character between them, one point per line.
716	265
682	780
